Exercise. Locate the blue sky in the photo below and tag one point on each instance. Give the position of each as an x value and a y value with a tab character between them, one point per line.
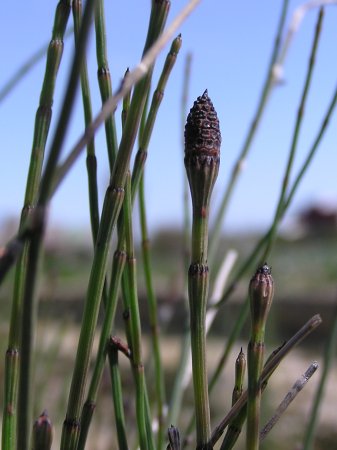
231	44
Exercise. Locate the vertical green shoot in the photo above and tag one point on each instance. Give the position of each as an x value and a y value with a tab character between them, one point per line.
202	159
104	80
235	426
261	292
42	122
111	208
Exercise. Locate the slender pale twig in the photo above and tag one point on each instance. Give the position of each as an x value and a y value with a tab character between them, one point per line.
294	25
291	395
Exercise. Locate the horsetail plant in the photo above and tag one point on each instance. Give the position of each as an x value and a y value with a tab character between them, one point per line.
104	80
113	350
261	292
272	362
16	360
235	426
202	159
91	160
111	208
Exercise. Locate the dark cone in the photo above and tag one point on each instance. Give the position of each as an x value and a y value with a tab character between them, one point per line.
202	150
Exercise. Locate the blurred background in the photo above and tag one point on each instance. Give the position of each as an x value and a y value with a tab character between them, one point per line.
230	44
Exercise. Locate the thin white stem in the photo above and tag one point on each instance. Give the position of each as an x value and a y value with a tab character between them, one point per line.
297	387
295	23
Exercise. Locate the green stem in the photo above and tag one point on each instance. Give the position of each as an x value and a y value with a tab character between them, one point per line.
153	317
198	290
329	354
110	309
42	122
255	364
235	426
261	292
299	121
25	68
135	328
272	362
104	80
117	397
91	160
111	208
178	388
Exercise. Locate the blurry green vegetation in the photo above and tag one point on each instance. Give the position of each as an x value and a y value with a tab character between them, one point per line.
303	289
305	274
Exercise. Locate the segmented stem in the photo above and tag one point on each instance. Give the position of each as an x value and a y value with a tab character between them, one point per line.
112	204
15	352
202	158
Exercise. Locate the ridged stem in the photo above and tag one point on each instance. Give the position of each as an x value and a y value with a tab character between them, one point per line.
111	208
91	161
177	392
117	397
13	248
135	327
26	67
138	169
153	317
110	309
202	159
117	266
261	292
12	363
157	98
104	80
235	426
